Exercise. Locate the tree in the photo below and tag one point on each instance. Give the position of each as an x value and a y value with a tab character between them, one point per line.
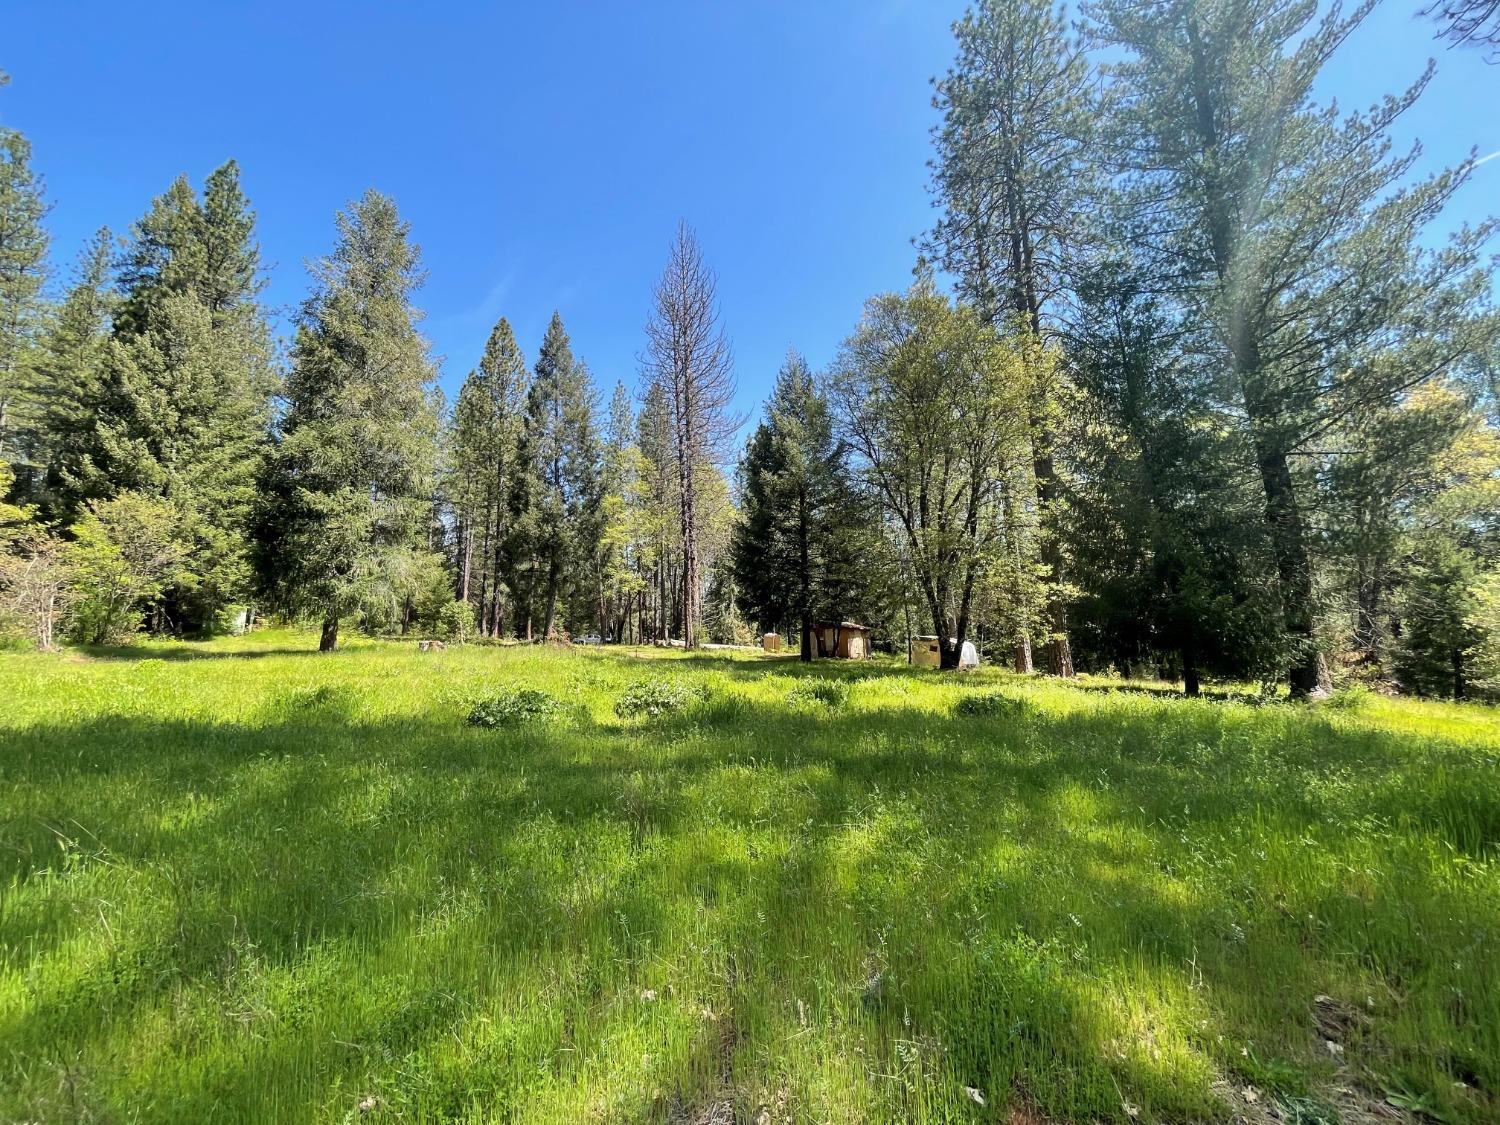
790	556
1287	234
688	357
36	580
125	554
182	408
487	462
624	520
356	458
1012	175
1474	22
932	402
70	370
558	483
1177	573
23	263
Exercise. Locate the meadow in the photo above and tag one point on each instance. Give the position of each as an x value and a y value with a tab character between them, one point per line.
243	882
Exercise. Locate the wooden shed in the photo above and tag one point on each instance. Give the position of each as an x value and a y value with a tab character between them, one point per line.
925	652
846	640
771	642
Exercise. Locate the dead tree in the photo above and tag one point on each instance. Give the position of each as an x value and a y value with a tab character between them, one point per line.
688	357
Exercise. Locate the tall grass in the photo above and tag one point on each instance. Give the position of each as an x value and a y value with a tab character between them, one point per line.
245	882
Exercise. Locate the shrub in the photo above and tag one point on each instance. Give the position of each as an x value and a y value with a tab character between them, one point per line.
653	698
514	708
991	705
828	693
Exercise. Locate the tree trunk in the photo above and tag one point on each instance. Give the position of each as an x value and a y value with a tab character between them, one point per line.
1023	654
330	638
1189	674
1460	688
1293	563
551	601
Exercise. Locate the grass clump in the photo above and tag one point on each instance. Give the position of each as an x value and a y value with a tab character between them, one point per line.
517	707
654	698
825	693
991	705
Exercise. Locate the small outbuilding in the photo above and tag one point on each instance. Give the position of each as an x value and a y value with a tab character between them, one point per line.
927	653
846	640
771	642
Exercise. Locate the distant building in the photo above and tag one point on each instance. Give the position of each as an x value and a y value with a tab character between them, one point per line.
771	642
927	653
846	640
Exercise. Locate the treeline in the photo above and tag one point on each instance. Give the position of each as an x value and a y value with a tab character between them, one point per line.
1210	398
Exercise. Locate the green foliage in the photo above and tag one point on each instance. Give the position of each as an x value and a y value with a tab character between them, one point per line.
654	698
518	707
933	403
824	693
23	270
991	705
126	553
353	479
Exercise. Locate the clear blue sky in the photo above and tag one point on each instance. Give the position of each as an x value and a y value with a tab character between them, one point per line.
543	152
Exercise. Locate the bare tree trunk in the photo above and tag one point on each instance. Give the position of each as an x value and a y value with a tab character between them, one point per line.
1023	654
330	638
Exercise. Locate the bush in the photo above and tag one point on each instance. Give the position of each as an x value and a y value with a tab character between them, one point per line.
513	708
654	698
991	705
828	693
455	622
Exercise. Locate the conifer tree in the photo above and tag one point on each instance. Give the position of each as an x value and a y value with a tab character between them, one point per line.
182	410
354	470
792	558
23	263
487	462
1290	235
688	357
70	370
559	483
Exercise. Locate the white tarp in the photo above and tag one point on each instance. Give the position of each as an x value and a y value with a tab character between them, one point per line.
968	658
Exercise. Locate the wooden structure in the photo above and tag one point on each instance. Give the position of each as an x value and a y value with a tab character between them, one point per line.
771	642
925	652
847	640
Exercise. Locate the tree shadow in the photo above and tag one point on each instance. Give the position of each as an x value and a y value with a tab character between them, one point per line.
287	913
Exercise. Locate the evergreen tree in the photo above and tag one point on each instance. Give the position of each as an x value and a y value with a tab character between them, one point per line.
355	464
558	488
1176	573
23	258
659	523
487	463
793	554
1289	234
70	369
182	409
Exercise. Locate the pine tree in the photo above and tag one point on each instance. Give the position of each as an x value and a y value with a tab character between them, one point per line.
23	263
358	442
559	482
486	428
794	555
182	410
1289	234
660	524
70	369
1012	175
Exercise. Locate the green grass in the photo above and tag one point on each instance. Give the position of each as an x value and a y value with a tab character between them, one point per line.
244	882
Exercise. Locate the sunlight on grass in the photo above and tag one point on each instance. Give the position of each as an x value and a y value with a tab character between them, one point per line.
246	882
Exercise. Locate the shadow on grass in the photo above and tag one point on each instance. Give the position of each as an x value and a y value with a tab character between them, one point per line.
312	906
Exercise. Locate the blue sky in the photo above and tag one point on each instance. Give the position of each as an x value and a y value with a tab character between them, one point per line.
543	153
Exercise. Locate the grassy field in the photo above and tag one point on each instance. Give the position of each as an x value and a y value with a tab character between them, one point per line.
244	882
